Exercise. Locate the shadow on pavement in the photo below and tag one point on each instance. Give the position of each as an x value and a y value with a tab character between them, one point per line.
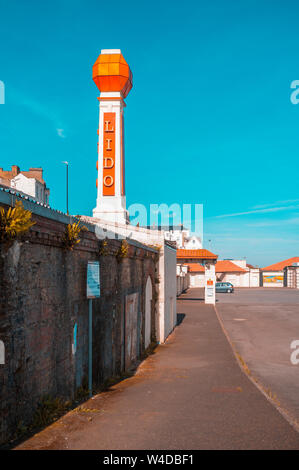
180	318
198	299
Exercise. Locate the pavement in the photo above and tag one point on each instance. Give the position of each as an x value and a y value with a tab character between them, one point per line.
262	323
190	394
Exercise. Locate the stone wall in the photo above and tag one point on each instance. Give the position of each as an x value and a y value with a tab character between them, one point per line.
166	318
44	315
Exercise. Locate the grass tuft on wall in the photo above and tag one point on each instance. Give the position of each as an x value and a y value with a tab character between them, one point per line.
14	222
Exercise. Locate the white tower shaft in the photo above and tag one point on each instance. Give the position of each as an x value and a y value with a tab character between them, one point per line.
111	199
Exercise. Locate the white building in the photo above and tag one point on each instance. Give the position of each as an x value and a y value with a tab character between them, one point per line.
276	275
29	183
192	243
180	235
238	272
291	276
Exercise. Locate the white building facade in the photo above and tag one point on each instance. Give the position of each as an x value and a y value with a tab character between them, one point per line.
27	183
237	272
31	187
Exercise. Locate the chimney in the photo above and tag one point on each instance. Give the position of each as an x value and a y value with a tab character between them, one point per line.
36	173
15	170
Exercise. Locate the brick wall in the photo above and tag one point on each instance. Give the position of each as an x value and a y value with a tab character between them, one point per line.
43	303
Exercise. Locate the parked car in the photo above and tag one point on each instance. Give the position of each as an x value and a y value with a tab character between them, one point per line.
224	287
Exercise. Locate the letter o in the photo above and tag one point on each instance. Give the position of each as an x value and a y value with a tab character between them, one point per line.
111	181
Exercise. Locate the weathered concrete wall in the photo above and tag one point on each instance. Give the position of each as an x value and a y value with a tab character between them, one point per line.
44	316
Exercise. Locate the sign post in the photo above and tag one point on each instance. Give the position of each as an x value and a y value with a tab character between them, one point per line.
93	292
210	281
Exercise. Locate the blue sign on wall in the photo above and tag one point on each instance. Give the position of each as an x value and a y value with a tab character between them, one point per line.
93	279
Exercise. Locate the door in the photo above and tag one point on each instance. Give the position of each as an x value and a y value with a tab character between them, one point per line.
148	312
131	329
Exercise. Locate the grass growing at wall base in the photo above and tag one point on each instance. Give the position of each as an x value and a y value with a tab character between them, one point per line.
50	409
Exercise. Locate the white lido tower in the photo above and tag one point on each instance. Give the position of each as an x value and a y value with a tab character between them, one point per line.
113	78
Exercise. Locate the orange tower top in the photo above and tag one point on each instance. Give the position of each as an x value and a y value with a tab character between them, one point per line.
112	73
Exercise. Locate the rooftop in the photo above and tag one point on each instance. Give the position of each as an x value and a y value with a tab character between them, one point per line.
281	264
226	266
195	268
223	266
8	175
196	254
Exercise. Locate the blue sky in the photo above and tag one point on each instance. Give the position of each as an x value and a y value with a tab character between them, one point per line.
209	119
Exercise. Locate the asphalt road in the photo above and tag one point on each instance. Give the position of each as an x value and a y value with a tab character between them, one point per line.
191	394
262	323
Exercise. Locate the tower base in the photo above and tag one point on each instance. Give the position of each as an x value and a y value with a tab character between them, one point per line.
112	211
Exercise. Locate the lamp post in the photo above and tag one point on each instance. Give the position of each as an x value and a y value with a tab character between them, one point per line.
67	187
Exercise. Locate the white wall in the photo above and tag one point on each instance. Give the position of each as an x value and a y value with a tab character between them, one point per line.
197	279
194	243
182	278
183	283
254	277
175	236
292	277
239	262
251	278
169	291
31	187
148	312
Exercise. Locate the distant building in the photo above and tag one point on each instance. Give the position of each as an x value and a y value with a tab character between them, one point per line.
29	183
281	274
291	276
192	243
180	235
195	256
238	272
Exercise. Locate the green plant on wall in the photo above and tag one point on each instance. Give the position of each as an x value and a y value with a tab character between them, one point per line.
71	235
14	222
104	249
123	250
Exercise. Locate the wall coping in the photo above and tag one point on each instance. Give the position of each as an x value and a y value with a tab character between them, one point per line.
7	197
